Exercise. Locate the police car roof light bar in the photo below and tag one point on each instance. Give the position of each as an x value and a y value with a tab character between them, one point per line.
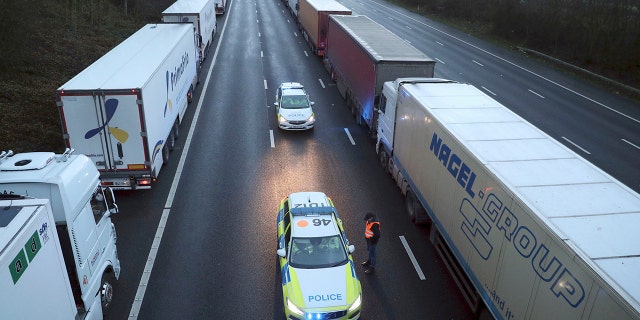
304	211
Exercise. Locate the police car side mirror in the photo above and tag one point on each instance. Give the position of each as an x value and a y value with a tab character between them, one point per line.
276	103
312	103
352	248
282	252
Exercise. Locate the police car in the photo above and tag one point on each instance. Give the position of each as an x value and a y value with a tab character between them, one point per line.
293	108
319	279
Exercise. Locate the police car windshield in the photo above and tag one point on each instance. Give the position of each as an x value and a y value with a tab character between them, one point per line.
295	102
319	252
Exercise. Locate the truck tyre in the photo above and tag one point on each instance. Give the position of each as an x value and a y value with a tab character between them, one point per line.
384	160
165	154
171	140
417	214
176	129
190	94
106	291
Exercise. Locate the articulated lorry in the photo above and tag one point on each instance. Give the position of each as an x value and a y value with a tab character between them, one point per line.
202	14
125	109
527	227
58	256
361	55
313	16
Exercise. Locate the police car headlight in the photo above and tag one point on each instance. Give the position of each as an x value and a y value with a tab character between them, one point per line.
282	119
311	119
293	308
356	304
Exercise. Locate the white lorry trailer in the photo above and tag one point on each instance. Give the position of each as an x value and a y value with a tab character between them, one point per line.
58	256
202	14
527	227
124	110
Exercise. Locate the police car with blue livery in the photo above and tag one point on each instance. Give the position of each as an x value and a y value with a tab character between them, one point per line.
319	279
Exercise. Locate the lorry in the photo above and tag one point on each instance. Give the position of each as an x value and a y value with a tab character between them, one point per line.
528	228
124	110
313	16
202	14
220	6
361	55
58	255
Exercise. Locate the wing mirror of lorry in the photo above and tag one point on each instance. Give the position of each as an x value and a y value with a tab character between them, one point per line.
352	248
111	201
282	252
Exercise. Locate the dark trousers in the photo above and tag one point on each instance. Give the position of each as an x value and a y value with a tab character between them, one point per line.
371	247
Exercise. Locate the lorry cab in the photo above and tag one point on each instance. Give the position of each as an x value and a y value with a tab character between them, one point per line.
82	211
387	110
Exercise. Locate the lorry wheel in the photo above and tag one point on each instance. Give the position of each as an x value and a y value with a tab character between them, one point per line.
409	203
416	212
384	160
176	129
171	141
165	154
106	291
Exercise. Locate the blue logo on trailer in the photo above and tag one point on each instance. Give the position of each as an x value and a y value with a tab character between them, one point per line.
478	224
110	107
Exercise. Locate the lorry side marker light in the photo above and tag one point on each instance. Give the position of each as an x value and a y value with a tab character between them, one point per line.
135	166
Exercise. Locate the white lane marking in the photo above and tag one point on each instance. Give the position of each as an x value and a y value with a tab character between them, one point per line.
576	145
440	43
288	21
349	135
488	90
295	34
305	53
478	63
629	142
537	94
413	258
261	54
513	64
259	35
153	251
265	84
273	143
440	61
408	27
322	83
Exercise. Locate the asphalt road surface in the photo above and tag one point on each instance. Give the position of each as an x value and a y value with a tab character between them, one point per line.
202	243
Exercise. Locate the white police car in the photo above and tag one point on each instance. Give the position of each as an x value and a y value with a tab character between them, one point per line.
319	279
293	107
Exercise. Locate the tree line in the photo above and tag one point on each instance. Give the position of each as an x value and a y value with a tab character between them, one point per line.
600	35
